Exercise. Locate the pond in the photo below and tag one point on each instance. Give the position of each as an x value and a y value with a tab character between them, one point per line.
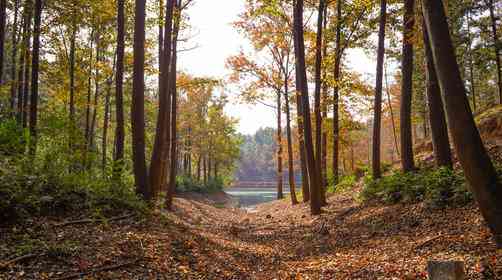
251	196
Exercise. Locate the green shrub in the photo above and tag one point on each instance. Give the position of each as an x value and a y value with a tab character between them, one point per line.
13	138
189	184
346	183
440	187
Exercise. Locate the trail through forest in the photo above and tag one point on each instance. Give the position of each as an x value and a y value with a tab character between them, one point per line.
204	239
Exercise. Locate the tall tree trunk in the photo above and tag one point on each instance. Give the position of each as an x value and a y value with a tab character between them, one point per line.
407	160
471	152
106	118
439	128
280	194
73	126
317	99
471	63
336	96
14	58
324	107
302	86
393	119
199	163
291	169
27	60
119	90
89	92
20	76
159	160
34	77
173	90
3	20
97	94
377	120
303	154
138	104
496	47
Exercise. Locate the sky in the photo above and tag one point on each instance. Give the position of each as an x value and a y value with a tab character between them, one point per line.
215	40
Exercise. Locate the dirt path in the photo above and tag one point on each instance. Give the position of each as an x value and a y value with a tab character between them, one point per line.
278	241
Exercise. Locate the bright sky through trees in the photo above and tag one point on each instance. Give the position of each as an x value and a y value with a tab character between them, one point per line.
216	40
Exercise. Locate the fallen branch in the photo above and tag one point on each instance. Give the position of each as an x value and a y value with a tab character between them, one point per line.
5	264
98	269
427	242
90	221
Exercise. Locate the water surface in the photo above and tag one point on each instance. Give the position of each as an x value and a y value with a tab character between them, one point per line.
252	196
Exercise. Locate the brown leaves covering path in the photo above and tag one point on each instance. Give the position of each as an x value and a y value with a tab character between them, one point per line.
277	241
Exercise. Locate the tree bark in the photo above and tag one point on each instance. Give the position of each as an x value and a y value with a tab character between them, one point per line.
317	98
173	90
324	108
3	20
20	77
159	160
336	96
27	58
34	77
14	58
280	194
496	47
471	152
439	127
119	89
303	155
407	160
302	86
138	105
377	124
72	84
291	169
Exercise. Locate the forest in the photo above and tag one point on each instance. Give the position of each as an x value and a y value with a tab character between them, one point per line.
115	159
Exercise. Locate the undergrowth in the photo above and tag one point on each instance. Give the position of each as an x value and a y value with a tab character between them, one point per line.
189	184
44	185
440	187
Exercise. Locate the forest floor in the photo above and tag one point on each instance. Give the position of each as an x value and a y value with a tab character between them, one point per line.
206	238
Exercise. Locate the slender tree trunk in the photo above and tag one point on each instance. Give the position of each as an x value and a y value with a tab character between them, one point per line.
301	144
291	169
34	77
204	164
72	84
313	169
496	47
439	128
377	124
471	152
336	96
159	160
119	91
407	160
3	20
173	89
161	41
89	93
20	76
106	118
317	99
27	60
97	94
138	104
280	194
14	58
324	107
199	163
393	119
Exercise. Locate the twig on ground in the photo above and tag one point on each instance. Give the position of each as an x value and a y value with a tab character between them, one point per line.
99	269
427	242
90	221
5	264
